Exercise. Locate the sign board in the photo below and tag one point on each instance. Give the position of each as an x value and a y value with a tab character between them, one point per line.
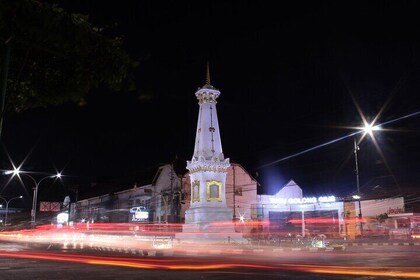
302	200
62	218
395	210
55	206
46	206
139	214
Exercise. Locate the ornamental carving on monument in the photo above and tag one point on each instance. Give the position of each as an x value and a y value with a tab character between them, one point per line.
195	191
207	168
214	190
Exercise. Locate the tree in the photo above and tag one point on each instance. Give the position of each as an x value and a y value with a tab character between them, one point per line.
56	56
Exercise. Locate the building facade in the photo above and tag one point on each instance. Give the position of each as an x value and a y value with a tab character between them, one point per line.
167	196
374	213
290	212
159	196
164	198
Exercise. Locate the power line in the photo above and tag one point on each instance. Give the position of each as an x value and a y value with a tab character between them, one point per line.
336	140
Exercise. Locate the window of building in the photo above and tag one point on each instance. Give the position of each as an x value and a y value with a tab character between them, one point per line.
238	191
260	213
403	223
163	200
146	204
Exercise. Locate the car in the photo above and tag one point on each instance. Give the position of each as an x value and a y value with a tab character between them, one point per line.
415	233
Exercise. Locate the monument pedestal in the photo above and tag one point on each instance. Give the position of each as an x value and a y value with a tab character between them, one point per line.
209	225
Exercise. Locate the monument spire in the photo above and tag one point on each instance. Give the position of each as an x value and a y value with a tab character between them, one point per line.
208	84
208	145
208	75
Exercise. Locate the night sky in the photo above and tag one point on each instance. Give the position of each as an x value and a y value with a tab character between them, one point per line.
287	73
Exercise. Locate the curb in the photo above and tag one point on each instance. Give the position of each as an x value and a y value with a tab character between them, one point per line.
171	252
156	253
359	244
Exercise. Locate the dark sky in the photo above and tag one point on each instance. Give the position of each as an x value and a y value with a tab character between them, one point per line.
286	72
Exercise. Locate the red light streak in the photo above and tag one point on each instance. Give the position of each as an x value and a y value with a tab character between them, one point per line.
118	236
188	264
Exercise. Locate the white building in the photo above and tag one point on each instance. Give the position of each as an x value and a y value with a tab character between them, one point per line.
289	211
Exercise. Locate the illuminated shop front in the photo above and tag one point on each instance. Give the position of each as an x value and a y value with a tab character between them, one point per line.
289	212
139	214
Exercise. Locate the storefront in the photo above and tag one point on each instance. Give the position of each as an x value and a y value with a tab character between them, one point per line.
291	213
405	226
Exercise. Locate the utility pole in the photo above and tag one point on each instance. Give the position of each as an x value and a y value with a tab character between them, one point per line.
75	189
234	193
356	148
179	201
172	193
172	214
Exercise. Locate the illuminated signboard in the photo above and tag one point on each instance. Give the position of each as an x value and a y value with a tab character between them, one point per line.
62	218
139	214
303	200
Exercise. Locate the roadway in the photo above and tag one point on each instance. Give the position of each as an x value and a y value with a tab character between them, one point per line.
24	261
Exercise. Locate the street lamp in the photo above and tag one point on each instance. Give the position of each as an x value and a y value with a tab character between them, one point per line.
356	148
366	129
7	206
18	172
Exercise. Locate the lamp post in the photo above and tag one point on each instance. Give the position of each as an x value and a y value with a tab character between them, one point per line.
7	206
18	172
356	148
234	193
366	129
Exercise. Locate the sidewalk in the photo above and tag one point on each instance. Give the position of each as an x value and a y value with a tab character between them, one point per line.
375	242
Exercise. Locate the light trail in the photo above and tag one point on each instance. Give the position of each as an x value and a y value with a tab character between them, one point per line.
188	264
206	260
337	140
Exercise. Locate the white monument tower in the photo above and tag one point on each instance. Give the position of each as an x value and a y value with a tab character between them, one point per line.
208	217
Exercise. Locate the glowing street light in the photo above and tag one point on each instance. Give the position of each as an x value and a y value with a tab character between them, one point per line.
369	128
18	172
7	206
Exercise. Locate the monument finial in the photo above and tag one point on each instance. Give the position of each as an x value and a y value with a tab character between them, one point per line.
208	75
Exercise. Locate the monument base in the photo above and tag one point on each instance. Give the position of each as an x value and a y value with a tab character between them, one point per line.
209	225
208	238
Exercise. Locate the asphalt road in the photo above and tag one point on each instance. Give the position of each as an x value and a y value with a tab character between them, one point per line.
18	261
